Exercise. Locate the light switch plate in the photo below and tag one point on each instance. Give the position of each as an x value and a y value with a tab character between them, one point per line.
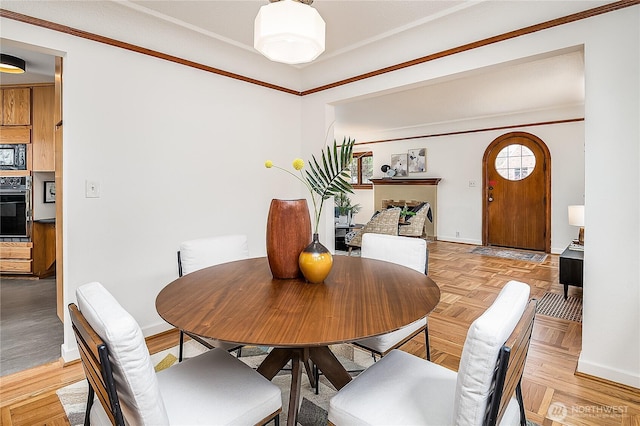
92	189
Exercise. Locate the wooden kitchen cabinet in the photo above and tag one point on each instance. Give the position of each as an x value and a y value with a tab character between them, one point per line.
15	257
42	131
44	247
16	107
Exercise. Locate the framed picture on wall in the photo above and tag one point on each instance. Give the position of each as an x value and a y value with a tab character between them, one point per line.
49	191
399	164
417	160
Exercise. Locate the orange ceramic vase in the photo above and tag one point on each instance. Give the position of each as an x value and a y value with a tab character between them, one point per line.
315	261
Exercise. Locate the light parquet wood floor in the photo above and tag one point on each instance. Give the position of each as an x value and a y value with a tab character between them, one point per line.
553	393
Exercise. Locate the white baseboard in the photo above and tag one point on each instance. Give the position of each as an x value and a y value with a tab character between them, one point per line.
608	373
69	353
479	243
460	240
157	328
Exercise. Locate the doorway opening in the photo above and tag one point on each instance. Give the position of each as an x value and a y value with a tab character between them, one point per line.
32	300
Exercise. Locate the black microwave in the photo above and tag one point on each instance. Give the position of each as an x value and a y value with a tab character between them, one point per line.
13	157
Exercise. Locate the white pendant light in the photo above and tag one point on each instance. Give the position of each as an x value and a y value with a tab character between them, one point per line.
289	31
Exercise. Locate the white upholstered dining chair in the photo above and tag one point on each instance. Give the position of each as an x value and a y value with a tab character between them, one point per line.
405	251
212	388
200	253
403	389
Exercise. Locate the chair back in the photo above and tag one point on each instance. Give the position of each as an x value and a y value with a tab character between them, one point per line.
405	251
415	228
200	253
485	340
94	355
510	367
385	222
135	379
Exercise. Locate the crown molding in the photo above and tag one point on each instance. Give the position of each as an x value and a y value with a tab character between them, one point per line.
611	7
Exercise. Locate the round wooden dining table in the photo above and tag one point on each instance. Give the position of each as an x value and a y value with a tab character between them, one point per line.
240	302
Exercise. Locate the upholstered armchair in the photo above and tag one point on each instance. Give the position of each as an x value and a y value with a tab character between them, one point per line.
415	226
385	222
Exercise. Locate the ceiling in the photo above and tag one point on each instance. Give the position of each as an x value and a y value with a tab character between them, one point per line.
349	24
541	83
543	87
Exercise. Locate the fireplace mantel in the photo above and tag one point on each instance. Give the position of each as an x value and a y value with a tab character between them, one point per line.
407	189
403	181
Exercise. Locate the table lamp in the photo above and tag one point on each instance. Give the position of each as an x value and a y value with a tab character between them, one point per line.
576	218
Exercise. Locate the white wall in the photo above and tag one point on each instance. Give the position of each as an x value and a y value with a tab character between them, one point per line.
178	153
40	209
611	330
611	326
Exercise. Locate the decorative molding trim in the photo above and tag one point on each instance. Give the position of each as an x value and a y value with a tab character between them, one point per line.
480	43
134	48
470	46
462	132
403	181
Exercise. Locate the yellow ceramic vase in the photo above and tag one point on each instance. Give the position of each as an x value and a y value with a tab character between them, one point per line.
315	261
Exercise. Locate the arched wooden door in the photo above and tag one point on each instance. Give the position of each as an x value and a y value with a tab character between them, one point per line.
517	193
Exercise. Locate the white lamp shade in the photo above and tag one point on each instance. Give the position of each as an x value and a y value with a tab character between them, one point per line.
576	215
289	31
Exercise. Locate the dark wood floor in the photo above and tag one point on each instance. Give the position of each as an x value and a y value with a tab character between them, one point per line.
469	283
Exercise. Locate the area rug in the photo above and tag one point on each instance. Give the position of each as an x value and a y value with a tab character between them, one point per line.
510	254
313	408
554	305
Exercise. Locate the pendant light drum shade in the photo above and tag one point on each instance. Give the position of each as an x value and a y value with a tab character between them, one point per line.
290	32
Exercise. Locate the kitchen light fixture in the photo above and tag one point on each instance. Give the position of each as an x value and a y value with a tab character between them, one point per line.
11	64
289	31
576	218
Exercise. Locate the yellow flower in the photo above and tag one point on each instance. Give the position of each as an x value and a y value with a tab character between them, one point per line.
298	164
326	182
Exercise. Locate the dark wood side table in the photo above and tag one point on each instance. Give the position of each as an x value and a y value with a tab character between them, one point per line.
571	269
341	232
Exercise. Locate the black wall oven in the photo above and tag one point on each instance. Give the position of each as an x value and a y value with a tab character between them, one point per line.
15	206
